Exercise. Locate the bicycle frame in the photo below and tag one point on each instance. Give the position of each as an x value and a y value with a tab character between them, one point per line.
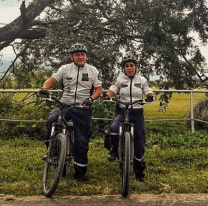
126	144
60	151
64	127
126	127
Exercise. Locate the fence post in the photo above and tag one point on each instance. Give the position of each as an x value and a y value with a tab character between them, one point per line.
192	113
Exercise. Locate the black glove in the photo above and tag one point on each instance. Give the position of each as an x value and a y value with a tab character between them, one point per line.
44	93
150	99
105	97
88	102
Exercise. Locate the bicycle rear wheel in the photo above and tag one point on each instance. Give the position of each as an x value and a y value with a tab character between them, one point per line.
69	154
54	164
125	164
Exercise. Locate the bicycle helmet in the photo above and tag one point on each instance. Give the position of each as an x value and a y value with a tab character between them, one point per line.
128	57
78	48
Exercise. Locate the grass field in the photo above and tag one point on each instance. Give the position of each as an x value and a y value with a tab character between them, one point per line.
177	161
182	169
178	106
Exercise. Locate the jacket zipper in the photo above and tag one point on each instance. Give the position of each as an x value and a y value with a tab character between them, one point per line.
131	91
75	94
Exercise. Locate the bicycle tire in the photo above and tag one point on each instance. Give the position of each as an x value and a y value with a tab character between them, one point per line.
54	164
125	167
69	154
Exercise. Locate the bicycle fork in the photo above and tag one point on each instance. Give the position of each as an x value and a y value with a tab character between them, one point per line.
54	132
132	144
122	129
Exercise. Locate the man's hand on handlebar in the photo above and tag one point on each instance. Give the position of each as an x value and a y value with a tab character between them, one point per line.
44	93
150	99
105	97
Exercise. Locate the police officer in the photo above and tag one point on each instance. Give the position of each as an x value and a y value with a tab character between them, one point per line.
80	84
130	87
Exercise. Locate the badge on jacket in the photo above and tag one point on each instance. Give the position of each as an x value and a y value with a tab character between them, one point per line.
124	85
85	77
137	85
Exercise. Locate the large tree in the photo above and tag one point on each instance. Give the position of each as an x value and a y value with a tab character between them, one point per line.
161	33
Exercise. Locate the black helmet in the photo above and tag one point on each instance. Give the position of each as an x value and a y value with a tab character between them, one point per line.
78	48
128	57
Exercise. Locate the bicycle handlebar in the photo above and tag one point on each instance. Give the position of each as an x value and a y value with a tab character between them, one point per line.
52	98
140	101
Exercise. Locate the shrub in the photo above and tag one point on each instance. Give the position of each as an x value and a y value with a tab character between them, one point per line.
105	110
200	112
14	110
34	109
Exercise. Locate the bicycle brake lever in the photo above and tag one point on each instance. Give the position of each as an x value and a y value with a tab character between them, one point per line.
48	98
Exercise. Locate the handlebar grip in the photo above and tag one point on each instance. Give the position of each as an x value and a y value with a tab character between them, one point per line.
114	99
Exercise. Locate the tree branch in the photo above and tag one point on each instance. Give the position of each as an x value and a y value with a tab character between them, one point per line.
15	59
14	29
5	44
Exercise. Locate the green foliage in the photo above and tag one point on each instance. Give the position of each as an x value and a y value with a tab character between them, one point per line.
7	105
102	110
174	135
23	110
27	78
156	31
200	112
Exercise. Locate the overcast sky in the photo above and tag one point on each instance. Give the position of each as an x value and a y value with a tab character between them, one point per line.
9	10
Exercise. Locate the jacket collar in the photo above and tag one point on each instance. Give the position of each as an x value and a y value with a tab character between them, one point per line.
78	67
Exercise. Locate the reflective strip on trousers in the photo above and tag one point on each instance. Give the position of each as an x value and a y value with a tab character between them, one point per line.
80	165
139	159
113	133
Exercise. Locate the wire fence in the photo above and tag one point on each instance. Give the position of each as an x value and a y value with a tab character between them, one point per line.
191	93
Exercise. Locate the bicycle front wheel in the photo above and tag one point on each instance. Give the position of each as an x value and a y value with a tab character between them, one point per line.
54	164
125	167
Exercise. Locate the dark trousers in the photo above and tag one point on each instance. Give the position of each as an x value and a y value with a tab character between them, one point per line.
81	118
137	118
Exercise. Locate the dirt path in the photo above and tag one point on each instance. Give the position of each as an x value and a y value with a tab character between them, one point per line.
132	200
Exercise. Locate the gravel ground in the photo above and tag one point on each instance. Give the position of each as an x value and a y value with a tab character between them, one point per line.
109	200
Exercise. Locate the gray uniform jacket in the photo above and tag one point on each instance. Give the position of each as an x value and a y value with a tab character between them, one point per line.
130	90
77	82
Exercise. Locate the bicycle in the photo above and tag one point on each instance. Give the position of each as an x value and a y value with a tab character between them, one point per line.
60	150
126	144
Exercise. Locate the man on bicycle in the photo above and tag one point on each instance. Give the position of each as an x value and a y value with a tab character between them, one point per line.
130	87
80	84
